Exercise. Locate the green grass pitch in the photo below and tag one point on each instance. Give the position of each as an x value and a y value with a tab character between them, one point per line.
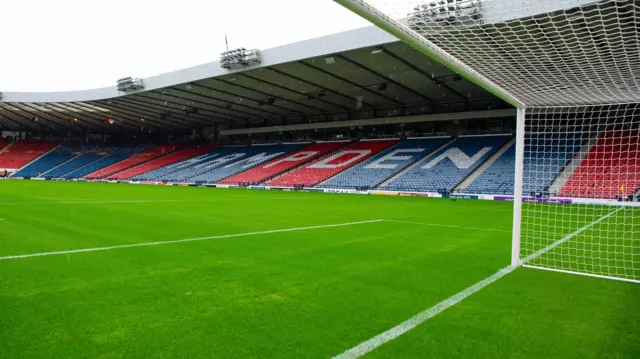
310	293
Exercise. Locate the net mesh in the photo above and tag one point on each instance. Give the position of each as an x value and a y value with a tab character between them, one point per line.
581	174
574	65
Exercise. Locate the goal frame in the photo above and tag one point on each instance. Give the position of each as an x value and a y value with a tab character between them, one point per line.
508	94
432	50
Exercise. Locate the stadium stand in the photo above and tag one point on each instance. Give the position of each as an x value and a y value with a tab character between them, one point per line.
4	142
383	166
254	156
446	168
152	153
200	165
611	168
55	158
22	152
98	158
180	171
273	168
545	155
332	164
499	178
161	161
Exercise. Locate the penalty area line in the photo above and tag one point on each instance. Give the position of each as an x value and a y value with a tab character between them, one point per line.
448	226
96	249
393	333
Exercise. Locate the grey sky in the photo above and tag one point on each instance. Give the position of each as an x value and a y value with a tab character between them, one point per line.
78	44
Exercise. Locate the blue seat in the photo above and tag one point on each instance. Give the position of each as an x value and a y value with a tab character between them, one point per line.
218	164
446	168
385	165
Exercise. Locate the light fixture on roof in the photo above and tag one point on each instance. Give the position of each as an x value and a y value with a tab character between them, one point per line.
317	94
127	84
109	121
330	60
239	58
35	119
377	50
266	101
75	120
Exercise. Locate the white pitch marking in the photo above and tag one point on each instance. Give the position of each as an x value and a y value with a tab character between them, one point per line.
20	256
156	201
391	334
568	237
450	226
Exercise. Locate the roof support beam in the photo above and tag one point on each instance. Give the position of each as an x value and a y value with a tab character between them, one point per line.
191	119
53	114
384	78
352	83
246	98
68	107
421	72
376	122
295	91
227	117
230	109
320	87
270	95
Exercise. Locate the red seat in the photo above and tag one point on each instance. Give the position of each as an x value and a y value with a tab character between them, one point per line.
155	152
611	164
173	157
332	164
24	151
283	164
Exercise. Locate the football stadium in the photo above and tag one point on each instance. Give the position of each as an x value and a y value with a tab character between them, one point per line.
461	179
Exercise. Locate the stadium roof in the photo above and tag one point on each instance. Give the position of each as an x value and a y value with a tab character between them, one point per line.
364	72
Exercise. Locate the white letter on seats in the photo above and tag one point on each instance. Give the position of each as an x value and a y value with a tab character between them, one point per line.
260	157
296	157
325	163
392	157
220	160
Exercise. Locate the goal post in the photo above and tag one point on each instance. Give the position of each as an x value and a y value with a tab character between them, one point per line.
572	70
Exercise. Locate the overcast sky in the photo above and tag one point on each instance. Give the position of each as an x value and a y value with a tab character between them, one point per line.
62	45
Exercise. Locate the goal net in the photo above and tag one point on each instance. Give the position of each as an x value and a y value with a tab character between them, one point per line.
572	69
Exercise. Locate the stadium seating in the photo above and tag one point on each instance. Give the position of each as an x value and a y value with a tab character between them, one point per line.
22	152
96	159
447	167
4	142
253	156
332	164
200	165
273	168
58	156
161	161
499	177
383	166
545	155
185	169
124	169
152	153
611	167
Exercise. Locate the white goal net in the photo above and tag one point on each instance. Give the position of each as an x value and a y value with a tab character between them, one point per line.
572	69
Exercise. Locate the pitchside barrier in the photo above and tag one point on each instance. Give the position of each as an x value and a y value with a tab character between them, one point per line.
467	196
